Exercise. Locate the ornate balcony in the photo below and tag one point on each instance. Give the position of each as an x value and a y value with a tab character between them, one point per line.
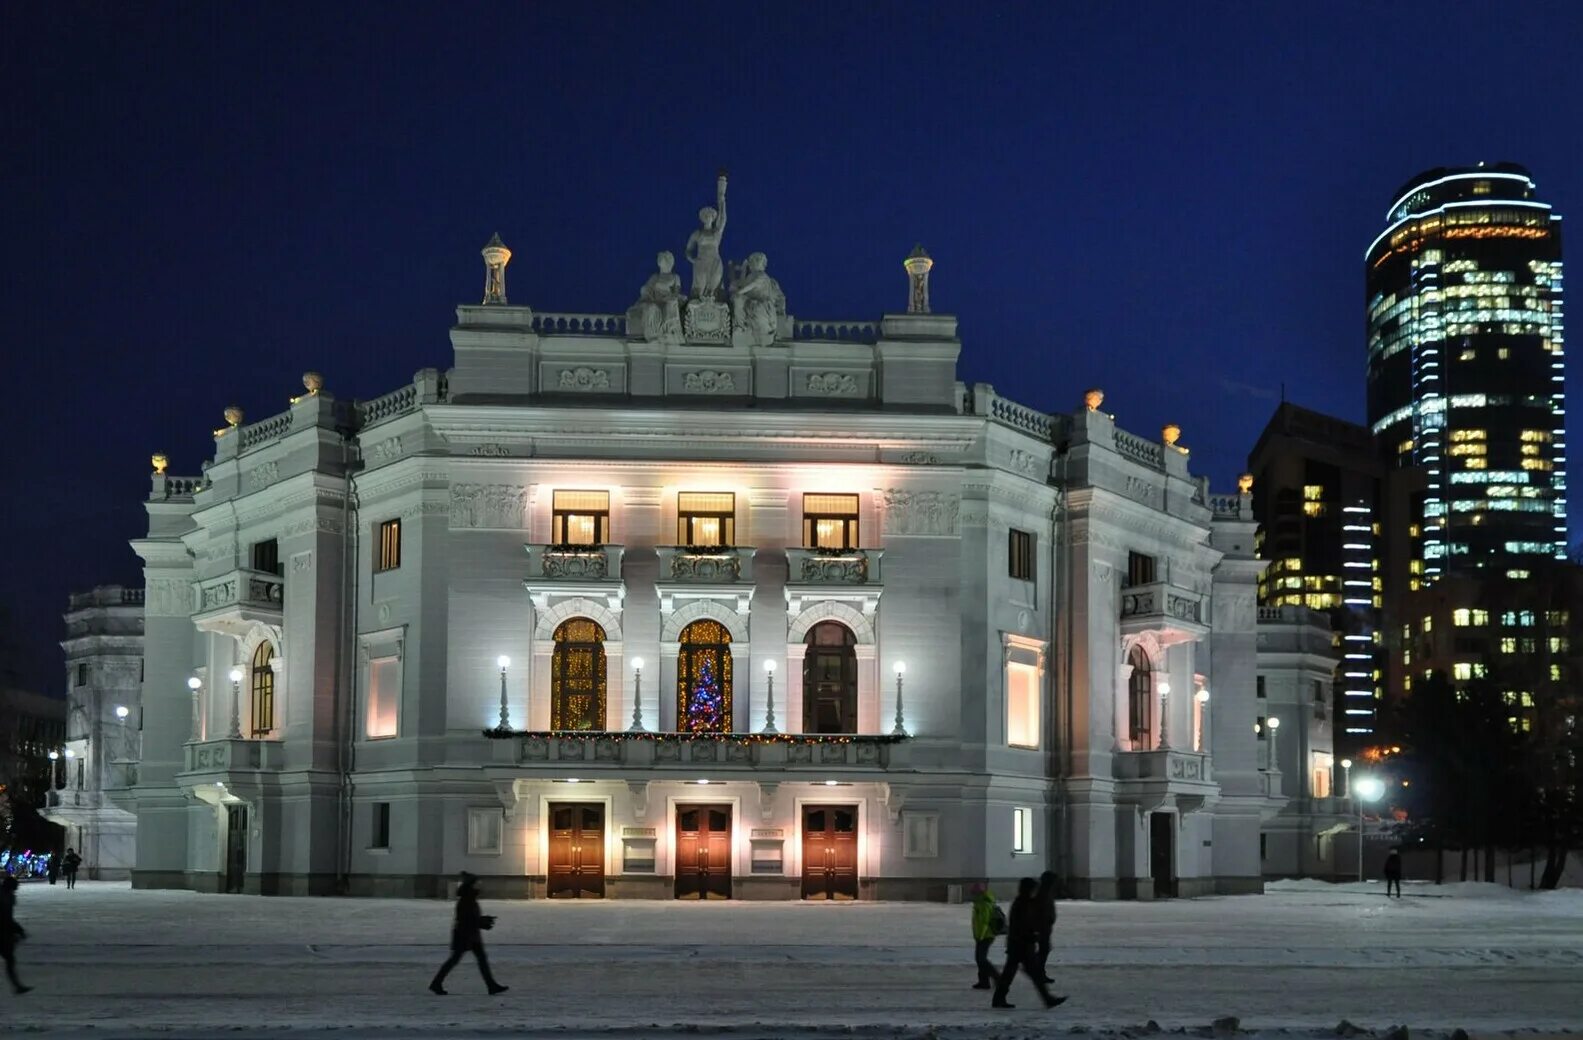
234	601
1165	777
584	754
574	570
850	575
1161	606
229	755
705	572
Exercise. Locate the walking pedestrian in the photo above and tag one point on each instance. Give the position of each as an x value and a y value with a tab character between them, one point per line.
1022	942
467	934
1045	898
989	921
10	932
69	865
1393	873
53	870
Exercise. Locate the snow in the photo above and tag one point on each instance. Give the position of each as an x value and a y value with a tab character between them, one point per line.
109	961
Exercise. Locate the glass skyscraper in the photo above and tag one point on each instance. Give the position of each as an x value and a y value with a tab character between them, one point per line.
1465	376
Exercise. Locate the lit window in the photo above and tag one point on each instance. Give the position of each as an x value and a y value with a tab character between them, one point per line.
1313	492
1508	644
1021	830
580	517
706	518
1468	354
1022	705
1462	670
389	545
1461	617
1429	623
263	686
384	698
1481	617
829	521
1558	644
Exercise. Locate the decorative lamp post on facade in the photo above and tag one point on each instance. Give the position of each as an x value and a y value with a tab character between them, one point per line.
236	704
121	712
1369	788
900	729
1165	714
1202	696
769	700
195	684
1272	724
637	696
54	772
505	713
1346	778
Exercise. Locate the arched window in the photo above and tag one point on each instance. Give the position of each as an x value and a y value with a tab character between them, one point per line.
829	679
703	679
577	676
1140	700
263	685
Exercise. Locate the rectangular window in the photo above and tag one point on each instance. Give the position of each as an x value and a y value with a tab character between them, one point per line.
484	829
921	835
1022	705
1140	568
580	518
1022	831
1260	728
82	675
1021	555
1319	690
266	556
1323	768
384	698
706	518
389	546
380	838
829	521
1258	686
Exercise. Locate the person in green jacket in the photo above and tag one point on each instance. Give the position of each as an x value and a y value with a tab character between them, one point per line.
988	922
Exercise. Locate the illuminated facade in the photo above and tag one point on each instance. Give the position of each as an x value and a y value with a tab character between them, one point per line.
1316	494
1466	361
698	601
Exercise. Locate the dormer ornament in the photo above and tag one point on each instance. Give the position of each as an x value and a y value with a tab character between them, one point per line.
233	416
1094	398
312	382
1170	433
160	461
1245	484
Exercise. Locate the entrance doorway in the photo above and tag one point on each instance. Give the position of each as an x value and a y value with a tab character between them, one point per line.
703	852
829	852
235	847
577	851
1162	853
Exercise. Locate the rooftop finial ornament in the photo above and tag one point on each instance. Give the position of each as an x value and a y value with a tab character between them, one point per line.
313	382
1094	398
160	461
496	257
233	416
918	265
1245	484
1170	433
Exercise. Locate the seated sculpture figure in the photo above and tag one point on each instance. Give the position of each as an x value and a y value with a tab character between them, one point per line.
657	314
757	303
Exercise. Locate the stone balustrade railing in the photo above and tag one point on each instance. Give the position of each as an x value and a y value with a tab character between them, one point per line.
177	489
838	331
397	402
1162	600
107	596
1146	453
833	566
596	750
1173	765
579	324
574	562
225	754
264	431
725	564
243	588
1021	417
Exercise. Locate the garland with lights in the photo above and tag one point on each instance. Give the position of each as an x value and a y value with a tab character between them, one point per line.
626	736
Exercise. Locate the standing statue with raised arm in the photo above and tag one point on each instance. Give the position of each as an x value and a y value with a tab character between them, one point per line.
703	246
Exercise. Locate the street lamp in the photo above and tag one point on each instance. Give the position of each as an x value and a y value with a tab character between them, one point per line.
900	729
195	684
505	714
1165	714
1369	789
1273	724
1346	778
769	701
1202	696
236	704
637	695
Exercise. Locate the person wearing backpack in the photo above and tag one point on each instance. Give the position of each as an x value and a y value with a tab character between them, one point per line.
989	921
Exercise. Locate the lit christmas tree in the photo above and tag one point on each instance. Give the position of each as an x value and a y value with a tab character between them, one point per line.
705	706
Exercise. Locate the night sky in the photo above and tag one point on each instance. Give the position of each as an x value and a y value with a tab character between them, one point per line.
1167	200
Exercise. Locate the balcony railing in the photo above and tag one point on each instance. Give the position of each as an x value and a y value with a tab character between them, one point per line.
1168	764
242	588
227	754
1162	603
723	565
689	753
833	566
574	562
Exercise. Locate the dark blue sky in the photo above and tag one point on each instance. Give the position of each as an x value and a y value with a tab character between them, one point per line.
1167	200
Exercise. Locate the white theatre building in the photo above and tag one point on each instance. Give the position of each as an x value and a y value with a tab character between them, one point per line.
697	601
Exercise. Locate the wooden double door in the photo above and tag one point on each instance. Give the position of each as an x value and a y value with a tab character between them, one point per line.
577	851
829	852
703	852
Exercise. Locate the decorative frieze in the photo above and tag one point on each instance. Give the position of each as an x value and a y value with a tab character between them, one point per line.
832	384
302	563
386	450
920	513
263	475
1025	461
488	506
168	597
490	451
709	383
575	563
584	379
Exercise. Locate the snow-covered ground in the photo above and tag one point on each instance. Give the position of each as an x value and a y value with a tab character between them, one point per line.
110	962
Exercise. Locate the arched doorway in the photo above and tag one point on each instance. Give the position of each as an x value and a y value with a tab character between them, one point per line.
577	676
829	679
1140	701
703	679
262	684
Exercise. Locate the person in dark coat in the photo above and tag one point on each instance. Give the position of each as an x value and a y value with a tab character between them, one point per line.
69	865
52	871
10	932
467	934
1393	873
1045	898
1022	946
